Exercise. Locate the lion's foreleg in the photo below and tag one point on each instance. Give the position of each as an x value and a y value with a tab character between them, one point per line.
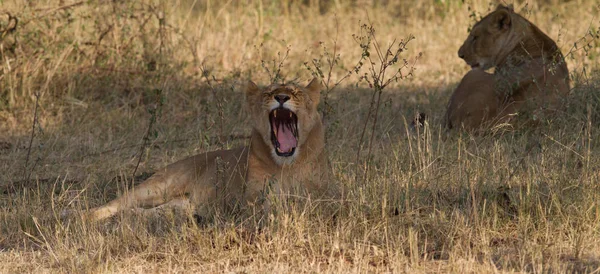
155	191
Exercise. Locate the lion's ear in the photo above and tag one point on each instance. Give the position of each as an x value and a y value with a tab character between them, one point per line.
502	19
252	89
510	7
314	90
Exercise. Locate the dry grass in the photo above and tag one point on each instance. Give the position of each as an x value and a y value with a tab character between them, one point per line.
103	77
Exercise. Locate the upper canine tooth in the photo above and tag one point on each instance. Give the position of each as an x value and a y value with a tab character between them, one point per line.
290	114
275	114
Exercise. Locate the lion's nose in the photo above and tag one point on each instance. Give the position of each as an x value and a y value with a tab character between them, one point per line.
282	98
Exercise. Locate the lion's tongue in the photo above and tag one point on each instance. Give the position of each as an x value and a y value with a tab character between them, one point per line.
286	139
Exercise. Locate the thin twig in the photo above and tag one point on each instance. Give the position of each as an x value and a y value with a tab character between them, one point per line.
153	118
332	61
219	101
35	121
362	136
373	131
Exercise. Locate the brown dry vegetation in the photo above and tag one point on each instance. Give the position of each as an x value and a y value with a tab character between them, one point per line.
88	89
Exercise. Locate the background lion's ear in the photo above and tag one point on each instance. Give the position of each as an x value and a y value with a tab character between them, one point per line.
314	90
509	7
251	88
502	19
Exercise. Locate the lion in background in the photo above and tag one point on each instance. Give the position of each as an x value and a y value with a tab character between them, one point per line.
530	72
286	155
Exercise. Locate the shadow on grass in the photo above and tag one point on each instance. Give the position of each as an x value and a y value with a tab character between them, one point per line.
489	196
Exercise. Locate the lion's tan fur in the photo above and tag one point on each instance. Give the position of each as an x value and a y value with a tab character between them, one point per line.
530	72
241	176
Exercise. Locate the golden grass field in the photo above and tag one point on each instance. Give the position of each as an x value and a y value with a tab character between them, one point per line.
89	88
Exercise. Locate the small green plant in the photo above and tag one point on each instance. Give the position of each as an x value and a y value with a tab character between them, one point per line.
385	65
323	67
273	68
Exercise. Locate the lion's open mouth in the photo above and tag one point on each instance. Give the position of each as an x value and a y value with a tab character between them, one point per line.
284	131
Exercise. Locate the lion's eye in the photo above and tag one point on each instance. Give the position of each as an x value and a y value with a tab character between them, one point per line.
474	38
